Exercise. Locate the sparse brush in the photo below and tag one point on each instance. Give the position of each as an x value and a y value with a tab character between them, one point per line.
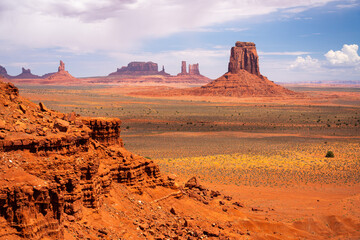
329	154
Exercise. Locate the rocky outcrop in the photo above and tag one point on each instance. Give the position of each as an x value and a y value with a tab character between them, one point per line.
244	57
26	74
139	68
35	211
3	72
104	130
54	164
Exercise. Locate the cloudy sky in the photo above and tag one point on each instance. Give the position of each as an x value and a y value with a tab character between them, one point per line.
303	40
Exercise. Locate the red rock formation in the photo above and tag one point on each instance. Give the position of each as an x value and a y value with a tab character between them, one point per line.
183	67
194	69
139	68
26	74
3	72
61	66
244	56
59	163
242	84
242	80
243	77
60	77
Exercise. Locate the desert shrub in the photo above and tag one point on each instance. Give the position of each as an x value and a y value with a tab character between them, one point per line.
329	154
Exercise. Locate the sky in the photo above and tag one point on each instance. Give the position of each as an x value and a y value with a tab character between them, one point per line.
303	40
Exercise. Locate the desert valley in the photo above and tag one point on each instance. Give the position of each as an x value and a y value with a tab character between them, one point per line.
142	154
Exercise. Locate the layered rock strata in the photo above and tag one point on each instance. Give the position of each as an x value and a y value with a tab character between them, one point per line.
54	164
244	57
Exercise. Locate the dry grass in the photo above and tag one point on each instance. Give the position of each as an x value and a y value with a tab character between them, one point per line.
300	164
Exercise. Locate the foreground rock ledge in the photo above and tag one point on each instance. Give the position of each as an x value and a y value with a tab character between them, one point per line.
54	164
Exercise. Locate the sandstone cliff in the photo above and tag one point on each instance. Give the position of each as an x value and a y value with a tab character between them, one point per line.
53	165
244	57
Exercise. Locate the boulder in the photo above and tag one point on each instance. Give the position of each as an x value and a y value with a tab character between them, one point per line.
61	125
192	183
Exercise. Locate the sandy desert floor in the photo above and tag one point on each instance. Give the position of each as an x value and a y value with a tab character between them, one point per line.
269	152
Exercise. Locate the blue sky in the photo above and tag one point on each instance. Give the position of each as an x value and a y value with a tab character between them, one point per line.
304	40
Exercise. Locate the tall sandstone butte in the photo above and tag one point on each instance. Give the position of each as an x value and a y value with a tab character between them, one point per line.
244	56
183	67
243	78
61	76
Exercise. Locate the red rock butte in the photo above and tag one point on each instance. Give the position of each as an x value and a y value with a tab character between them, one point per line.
60	76
244	56
243	77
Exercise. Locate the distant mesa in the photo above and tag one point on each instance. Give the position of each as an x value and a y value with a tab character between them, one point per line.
26	74
140	68
60	77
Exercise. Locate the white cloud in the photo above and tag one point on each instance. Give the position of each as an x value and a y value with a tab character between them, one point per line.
347	56
282	53
236	29
108	25
305	63
351	4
